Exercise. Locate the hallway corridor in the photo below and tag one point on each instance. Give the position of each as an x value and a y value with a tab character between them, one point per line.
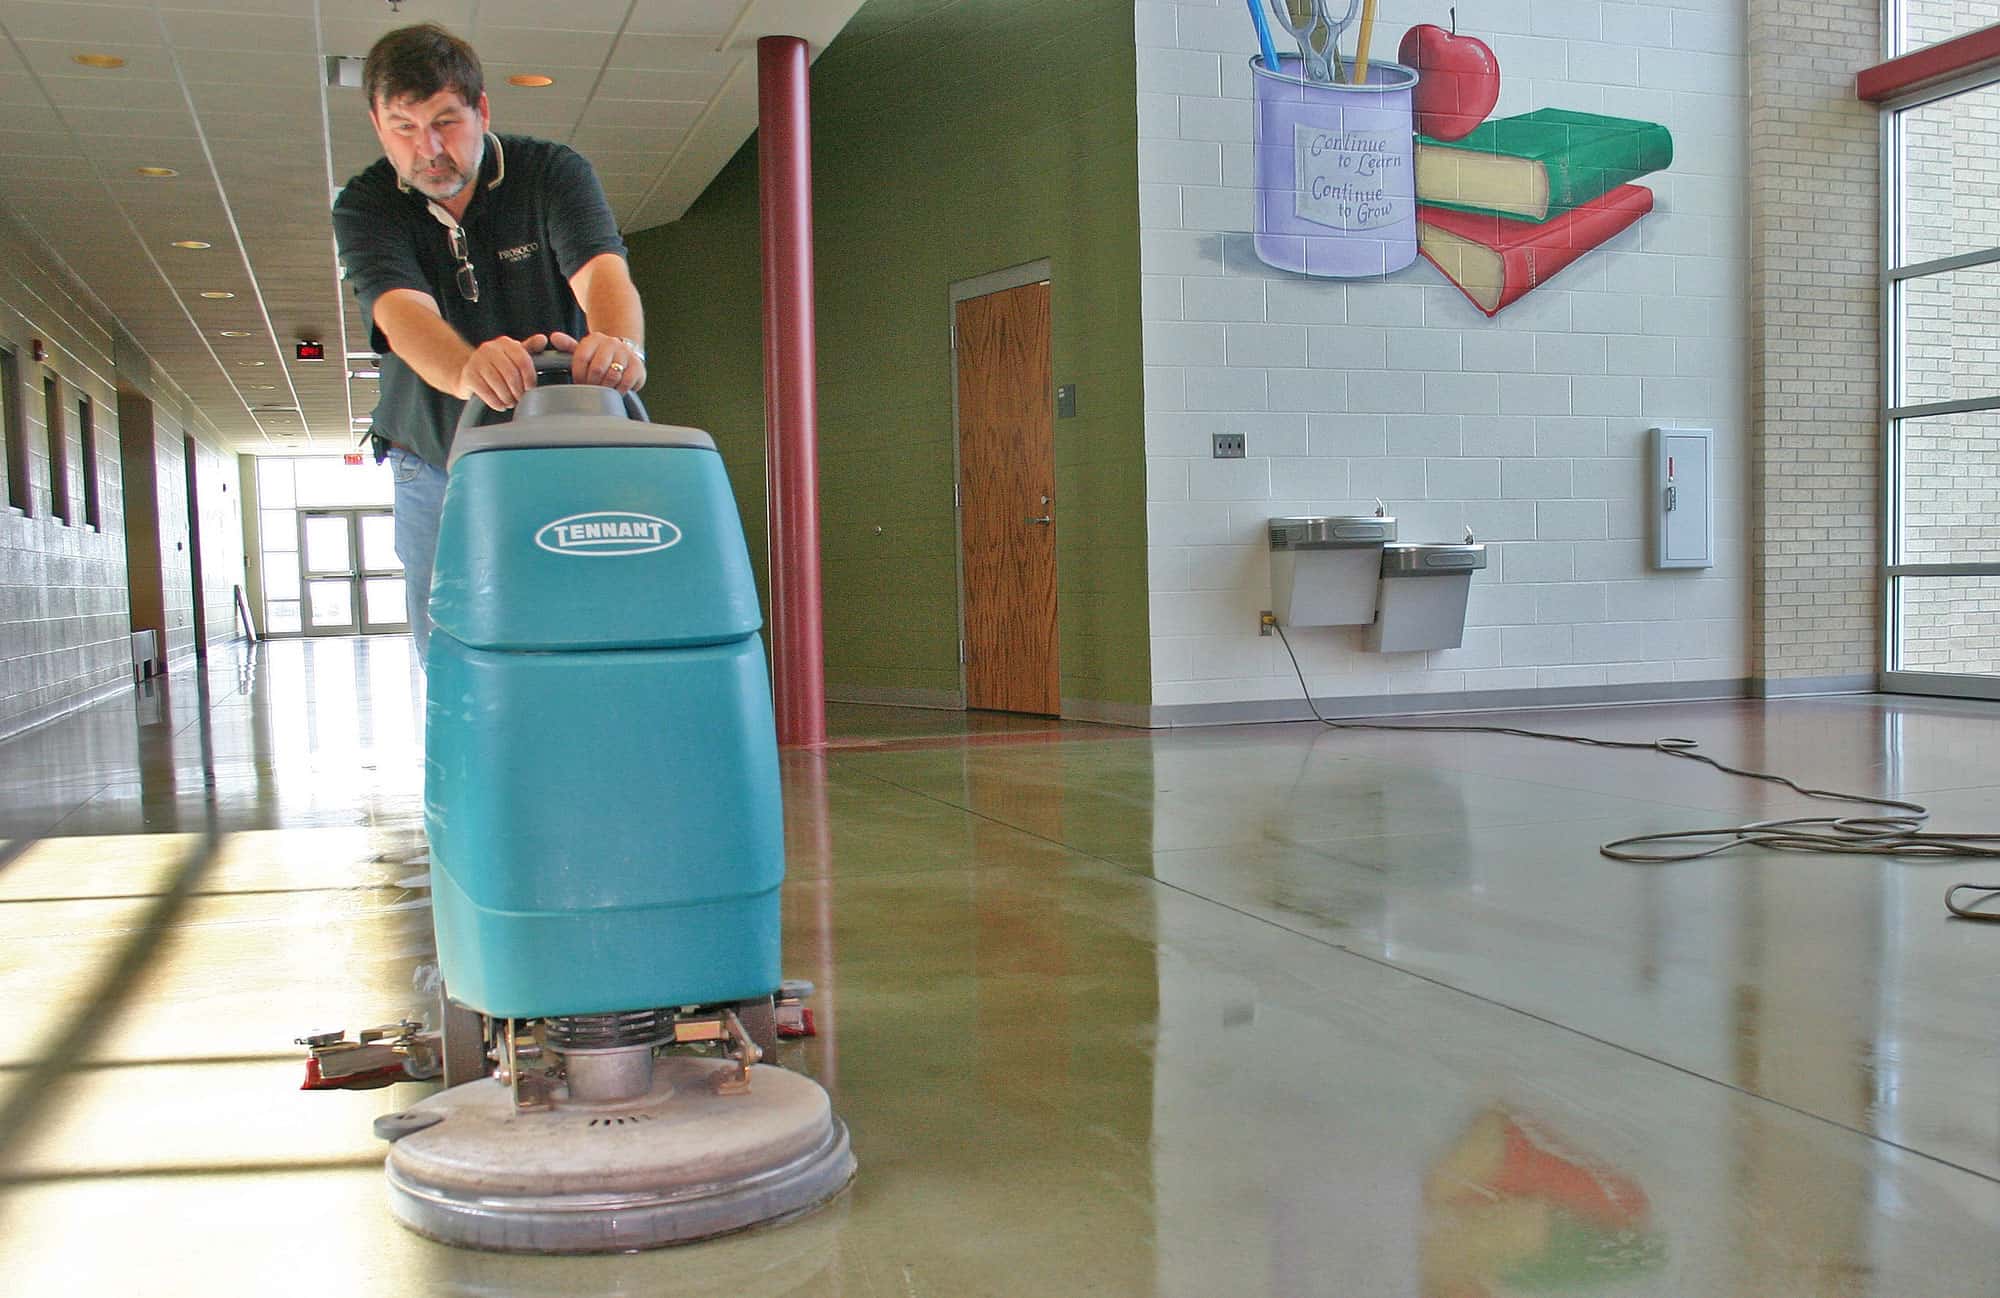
1221	1013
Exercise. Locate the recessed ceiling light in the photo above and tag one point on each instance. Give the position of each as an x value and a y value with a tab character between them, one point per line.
192	245
158	173
261	387
364	374
217	295
533	80
98	60
235	333
252	363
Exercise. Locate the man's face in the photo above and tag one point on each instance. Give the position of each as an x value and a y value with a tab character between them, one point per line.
434	144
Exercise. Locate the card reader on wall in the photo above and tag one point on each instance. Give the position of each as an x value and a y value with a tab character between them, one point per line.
1683	498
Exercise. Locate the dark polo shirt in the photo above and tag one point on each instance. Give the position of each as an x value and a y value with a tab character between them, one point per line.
537	216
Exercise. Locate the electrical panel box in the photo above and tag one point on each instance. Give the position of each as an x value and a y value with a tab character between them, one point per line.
1683	498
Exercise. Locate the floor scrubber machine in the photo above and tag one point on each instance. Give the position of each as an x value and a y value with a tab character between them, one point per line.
607	846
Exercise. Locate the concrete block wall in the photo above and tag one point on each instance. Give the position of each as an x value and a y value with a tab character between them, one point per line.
64	630
65	602
1529	427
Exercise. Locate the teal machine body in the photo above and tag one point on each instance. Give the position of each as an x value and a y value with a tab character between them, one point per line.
601	788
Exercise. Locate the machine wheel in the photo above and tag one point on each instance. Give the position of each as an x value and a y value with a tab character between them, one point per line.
464	1033
760	1020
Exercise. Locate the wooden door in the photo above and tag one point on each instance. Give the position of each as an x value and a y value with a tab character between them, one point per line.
1007	487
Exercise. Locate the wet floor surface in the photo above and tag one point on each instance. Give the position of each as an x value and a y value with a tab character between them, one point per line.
1253	1011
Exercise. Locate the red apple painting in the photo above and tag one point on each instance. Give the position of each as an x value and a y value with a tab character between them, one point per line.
1459	80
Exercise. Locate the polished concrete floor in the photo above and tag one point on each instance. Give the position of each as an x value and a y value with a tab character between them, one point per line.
1250	1011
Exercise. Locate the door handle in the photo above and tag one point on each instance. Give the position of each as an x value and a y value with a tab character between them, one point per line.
1044	520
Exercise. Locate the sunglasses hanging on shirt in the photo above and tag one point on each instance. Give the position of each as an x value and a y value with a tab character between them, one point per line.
461	251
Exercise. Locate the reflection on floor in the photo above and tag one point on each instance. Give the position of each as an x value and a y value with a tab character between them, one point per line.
1252	1011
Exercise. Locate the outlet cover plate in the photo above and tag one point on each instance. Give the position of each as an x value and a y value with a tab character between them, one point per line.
1228	446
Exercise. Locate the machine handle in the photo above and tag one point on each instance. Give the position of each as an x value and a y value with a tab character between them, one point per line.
547	361
1044	520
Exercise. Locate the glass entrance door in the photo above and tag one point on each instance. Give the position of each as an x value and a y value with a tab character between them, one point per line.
350	578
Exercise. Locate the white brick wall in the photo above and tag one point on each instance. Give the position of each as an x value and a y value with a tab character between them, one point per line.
1815	368
1529	427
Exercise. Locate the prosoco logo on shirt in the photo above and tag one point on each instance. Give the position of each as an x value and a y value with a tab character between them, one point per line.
607	532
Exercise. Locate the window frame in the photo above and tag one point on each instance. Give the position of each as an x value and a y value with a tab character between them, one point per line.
14	430
57	438
86	428
1895	677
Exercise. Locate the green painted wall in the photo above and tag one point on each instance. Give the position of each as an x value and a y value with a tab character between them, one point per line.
950	138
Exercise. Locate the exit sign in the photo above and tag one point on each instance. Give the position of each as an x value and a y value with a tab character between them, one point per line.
352	457
311	351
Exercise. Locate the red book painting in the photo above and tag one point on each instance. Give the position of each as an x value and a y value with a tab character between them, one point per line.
1494	260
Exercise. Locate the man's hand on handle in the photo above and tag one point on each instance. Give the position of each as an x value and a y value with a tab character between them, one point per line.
604	359
501	369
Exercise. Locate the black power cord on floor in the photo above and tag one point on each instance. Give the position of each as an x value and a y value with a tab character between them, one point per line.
1901	833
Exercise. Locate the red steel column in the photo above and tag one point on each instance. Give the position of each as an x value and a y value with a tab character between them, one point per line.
791	403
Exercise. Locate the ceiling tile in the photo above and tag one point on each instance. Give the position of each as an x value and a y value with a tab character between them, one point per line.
95	124
266	33
711	18
570	15
636	83
287	103
35	118
143	61
628	139
36	143
650	114
78	24
667	53
619	162
114	92
250	68
540	49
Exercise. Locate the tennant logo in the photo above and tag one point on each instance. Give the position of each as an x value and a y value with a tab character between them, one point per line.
607	532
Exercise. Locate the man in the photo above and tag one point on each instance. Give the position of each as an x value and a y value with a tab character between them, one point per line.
470	252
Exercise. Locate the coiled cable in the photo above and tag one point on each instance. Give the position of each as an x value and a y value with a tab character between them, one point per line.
1900	833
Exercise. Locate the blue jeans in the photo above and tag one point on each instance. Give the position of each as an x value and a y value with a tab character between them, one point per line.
419	501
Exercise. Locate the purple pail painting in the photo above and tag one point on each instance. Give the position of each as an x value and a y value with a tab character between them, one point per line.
1336	186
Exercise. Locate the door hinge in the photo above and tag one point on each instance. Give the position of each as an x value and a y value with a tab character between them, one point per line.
954	496
961	652
954	335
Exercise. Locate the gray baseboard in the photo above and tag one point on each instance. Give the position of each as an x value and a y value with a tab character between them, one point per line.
1785	687
36	717
887	696
1381	705
1110	714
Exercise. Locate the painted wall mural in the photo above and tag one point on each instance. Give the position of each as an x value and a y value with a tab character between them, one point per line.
1459	276
1363	166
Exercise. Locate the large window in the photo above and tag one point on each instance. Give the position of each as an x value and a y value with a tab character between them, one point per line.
1926	22
86	428
52	418
20	488
1942	300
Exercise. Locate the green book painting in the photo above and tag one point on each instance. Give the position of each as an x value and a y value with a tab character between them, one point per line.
1539	165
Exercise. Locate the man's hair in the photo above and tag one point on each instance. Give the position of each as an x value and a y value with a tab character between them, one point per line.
419	62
